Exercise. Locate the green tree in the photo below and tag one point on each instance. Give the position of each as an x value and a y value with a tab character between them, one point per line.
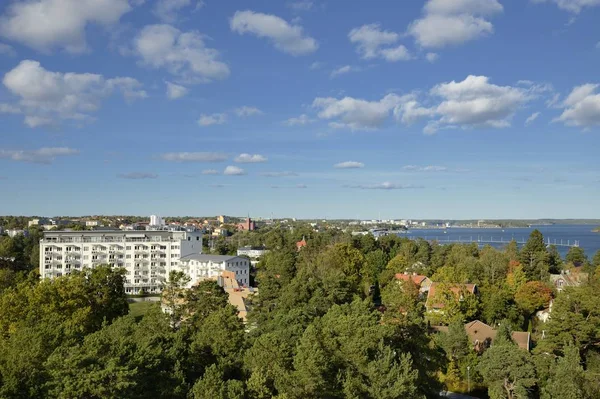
567	379
212	385
533	256
532	296
576	256
173	296
596	259
507	370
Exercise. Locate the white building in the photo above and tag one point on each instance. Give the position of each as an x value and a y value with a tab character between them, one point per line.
12	233
202	267
252	252
156	220
147	256
92	223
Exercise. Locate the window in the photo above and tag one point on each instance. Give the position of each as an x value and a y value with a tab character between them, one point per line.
136	281
85	257
128	256
86	248
128	248
198	238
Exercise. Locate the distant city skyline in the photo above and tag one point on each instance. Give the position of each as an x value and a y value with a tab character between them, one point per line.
479	109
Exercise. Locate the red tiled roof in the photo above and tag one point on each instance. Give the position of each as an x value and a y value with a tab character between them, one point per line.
479	333
416	278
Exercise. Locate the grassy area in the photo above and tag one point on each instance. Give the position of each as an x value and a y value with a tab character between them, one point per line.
139	309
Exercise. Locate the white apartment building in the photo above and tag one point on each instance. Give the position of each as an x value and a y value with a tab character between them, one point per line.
252	252
147	256
202	267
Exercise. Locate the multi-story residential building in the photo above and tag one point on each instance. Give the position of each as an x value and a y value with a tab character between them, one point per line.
147	256
202	267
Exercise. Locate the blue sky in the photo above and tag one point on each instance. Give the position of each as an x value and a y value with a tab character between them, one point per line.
323	108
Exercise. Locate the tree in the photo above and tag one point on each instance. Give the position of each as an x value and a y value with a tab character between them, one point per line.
507	370
212	385
533	296
173	295
596	259
567	379
533	256
497	303
554	260
576	256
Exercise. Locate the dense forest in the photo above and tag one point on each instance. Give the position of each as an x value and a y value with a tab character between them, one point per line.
331	320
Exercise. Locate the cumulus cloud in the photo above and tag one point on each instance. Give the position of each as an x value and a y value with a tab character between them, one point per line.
167	10
474	102
234	171
349	165
9	109
453	22
194	157
342	71
582	107
532	118
373	42
248	158
356	114
318	65
384	186
284	36
299	121
214	119
574	6
183	54
47	97
137	176
247	111
279	174
430	168
210	172
44	155
45	25
6	49
175	91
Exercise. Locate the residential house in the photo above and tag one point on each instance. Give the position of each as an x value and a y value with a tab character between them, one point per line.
482	335
252	252
458	290
423	282
568	278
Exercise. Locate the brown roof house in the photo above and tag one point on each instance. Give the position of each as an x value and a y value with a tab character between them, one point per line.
482	335
423	282
437	292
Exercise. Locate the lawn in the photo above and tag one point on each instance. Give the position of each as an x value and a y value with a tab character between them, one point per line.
139	309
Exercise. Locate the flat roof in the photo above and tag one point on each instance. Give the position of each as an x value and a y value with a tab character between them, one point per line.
214	258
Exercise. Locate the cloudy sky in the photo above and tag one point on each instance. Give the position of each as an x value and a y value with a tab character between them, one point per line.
309	108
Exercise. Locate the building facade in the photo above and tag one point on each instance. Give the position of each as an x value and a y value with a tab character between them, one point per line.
201	267
147	256
252	252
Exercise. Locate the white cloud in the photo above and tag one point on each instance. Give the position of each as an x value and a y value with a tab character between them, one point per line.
167	10
303	5
453	22
43	155
137	176
474	102
432	57
342	71
47	97
430	168
316	65
582	107
249	158
279	174
46	25
175	91
299	121
532	118
373	42
9	109
214	119
349	165
287	38
210	172
384	186
183	54
247	111
194	157
356	114
7	50
234	171
574	6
